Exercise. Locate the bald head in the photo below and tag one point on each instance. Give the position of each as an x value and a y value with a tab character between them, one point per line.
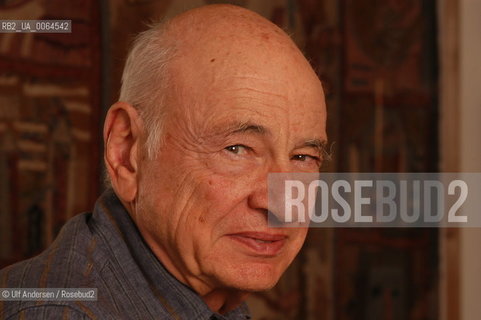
219	33
207	38
225	23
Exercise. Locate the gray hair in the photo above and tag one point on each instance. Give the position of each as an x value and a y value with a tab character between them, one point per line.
145	80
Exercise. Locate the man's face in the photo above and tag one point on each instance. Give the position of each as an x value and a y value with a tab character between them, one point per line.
203	201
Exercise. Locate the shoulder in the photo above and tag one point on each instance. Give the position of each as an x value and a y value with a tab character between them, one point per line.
78	258
63	263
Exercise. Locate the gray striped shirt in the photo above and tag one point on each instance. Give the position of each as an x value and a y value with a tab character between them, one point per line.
104	250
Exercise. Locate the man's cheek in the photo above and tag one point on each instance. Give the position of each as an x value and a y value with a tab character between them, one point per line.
224	164
225	192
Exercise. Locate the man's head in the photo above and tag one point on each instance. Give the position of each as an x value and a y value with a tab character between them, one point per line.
238	101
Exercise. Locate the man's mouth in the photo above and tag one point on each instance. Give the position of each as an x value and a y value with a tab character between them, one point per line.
260	243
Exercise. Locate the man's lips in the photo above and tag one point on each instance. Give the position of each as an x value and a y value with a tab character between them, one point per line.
260	243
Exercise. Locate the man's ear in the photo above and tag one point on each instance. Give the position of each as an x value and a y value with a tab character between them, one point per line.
122	134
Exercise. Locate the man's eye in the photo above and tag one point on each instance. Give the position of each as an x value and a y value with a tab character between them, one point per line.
237	149
304	157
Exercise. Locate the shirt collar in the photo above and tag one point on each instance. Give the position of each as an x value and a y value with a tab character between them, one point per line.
114	220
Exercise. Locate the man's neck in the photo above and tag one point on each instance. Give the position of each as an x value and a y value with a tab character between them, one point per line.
224	300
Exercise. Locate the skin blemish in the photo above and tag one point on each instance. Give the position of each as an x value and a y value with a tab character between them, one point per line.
212	60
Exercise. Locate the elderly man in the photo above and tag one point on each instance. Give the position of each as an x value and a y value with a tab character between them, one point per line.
211	102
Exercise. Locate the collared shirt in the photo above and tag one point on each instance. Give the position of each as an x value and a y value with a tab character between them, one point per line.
104	250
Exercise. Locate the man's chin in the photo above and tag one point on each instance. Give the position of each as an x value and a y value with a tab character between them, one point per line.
259	287
253	286
251	278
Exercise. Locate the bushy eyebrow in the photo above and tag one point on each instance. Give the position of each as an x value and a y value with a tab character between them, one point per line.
319	145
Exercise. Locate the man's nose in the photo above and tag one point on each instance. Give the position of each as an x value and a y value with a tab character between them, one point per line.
280	166
259	196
